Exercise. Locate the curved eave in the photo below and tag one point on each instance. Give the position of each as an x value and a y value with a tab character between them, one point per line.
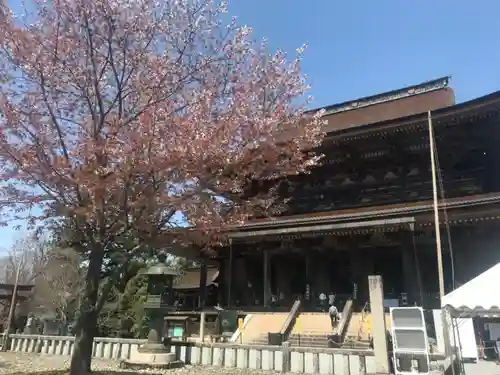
481	105
420	212
373	212
475	311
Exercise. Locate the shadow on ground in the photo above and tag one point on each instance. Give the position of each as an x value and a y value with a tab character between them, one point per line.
65	372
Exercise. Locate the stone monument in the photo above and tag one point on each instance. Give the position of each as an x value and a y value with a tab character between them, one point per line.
156	352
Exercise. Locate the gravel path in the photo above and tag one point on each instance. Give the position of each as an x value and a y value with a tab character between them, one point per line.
24	362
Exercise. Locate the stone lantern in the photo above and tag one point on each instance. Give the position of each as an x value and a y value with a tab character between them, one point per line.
160	300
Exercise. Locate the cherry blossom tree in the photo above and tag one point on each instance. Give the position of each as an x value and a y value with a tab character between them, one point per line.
116	114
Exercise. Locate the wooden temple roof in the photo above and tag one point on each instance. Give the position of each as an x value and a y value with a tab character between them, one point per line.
419	210
477	107
388	96
423	97
353	114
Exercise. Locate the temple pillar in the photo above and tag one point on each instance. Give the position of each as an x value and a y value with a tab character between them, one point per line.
267	279
367	268
321	282
460	264
283	274
203	285
356	265
410	281
309	271
221	295
228	276
240	281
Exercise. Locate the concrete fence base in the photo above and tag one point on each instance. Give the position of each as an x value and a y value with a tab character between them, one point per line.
104	347
276	358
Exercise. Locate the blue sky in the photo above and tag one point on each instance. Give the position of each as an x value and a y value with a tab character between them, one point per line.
359	48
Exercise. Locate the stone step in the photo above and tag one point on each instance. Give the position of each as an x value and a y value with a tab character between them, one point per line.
360	327
310	324
260	324
323	343
309	336
313	322
314	341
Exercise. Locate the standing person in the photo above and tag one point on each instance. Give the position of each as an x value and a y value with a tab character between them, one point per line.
29	325
334	315
331	298
282	297
497	350
322	301
274	300
480	346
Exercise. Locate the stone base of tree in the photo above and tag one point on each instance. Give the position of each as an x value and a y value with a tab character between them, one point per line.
152	360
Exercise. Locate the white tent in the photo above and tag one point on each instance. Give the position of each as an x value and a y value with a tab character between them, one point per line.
478	297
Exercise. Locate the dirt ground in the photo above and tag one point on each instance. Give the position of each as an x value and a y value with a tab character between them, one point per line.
27	363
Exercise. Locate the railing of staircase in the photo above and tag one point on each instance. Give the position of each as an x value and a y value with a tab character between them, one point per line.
351	341
344	321
362	320
290	320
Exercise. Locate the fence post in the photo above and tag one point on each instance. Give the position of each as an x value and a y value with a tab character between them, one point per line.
378	324
285	350
202	326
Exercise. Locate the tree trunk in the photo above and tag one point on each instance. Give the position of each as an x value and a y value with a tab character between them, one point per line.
82	355
87	321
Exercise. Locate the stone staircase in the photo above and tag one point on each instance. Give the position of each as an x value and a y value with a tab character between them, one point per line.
260	324
359	330
312	331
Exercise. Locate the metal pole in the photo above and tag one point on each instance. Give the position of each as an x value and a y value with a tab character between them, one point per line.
448	351
436	212
12	307
230	272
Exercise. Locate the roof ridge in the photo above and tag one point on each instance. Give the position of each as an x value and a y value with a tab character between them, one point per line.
387	96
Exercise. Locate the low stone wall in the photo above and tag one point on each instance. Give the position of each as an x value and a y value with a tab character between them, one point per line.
277	358
104	347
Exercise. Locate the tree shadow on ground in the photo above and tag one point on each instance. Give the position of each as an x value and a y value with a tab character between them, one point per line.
65	372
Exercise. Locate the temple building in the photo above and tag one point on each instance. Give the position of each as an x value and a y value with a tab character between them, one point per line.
368	208
187	288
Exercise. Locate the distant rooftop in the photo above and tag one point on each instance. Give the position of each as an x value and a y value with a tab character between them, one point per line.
421	88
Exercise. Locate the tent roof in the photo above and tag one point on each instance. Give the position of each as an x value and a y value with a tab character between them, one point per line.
478	297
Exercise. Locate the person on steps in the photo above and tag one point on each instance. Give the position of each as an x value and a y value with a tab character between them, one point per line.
322	301
334	315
